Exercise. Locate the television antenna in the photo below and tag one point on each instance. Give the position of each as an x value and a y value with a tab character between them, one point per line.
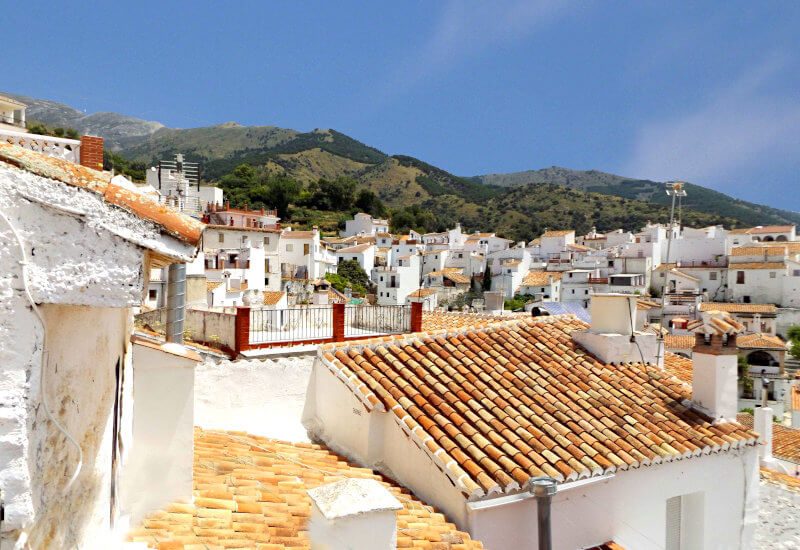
676	190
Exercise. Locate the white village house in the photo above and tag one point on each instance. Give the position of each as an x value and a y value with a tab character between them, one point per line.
92	425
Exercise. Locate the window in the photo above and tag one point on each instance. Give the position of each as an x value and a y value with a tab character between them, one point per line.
266	282
221	236
684	522
289	248
746	299
460	255
306	249
796	273
266	241
586	291
740	277
152	294
772	275
573	291
712	276
266	265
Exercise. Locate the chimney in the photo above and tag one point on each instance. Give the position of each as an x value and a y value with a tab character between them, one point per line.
714	366
612	337
92	152
762	425
353	514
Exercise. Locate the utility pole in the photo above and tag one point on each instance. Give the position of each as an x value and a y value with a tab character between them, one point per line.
676	190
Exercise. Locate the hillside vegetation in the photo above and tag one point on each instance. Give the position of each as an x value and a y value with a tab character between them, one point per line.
417	193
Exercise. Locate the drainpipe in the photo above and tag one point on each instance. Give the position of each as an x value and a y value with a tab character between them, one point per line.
176	302
543	488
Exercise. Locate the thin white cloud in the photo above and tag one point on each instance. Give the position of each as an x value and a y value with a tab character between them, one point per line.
743	126
465	29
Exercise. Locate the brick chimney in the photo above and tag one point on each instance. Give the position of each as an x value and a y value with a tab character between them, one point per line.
714	366
353	514
92	152
612	337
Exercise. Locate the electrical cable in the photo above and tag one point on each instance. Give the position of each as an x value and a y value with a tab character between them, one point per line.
26	290
633	337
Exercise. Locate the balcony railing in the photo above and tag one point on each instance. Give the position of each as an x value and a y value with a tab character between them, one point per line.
370	320
598	280
12	122
63	148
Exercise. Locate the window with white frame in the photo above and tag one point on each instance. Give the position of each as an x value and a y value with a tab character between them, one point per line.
221	237
289	248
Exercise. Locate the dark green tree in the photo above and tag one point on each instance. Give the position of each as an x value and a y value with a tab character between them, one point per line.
487	278
368	202
352	271
281	192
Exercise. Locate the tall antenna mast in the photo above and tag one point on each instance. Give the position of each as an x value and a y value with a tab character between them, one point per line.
675	189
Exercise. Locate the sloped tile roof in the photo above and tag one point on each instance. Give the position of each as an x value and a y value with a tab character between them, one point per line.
540	278
272	297
422	292
558	233
759	251
738	308
760	340
788	482
297	234
211	285
250	492
770	229
495	406
679	341
435	320
785	440
355	249
680	273
181	226
678	366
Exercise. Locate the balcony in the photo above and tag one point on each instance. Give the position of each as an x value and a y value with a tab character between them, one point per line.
63	148
598	280
11	121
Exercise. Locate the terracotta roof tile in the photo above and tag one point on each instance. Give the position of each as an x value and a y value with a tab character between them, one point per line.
678	366
540	278
785	440
435	320
679	341
738	308
355	249
770	229
422	292
529	386
558	233
178	225
759	251
788	482
760	340
250	492
297	234
272	297
211	285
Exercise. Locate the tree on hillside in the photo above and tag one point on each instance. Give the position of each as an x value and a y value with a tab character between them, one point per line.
793	334
281	192
487	278
338	194
368	202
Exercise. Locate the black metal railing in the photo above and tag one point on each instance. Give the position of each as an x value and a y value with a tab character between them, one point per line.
298	324
372	320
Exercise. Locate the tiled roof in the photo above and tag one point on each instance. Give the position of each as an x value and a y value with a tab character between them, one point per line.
250	492
738	308
452	273
559	233
680	273
759	251
178	225
760	341
611	545
785	440
740	231
355	249
679	341
494	407
211	285
272	297
540	278
645	304
422	292
757	265
770	229
715	322
788	482
678	366
435	320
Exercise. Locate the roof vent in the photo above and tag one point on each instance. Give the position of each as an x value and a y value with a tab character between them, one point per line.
353	514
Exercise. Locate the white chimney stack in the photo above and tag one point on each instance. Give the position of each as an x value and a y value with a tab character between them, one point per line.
353	514
715	366
762	425
612	337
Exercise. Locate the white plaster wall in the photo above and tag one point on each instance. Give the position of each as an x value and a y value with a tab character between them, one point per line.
630	508
375	530
260	397
696	248
791	286
158	469
81	383
758	284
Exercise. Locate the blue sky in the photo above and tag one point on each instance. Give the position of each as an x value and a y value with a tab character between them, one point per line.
703	91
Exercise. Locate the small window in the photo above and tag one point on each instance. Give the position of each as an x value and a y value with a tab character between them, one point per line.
740	277
266	282
772	274
796	273
289	248
586	291
712	276
746	299
221	236
573	291
153	293
266	241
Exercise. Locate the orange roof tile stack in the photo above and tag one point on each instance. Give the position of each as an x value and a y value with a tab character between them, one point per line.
496	406
250	492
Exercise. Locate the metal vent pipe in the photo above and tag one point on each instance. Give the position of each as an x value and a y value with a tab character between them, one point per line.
176	302
543	488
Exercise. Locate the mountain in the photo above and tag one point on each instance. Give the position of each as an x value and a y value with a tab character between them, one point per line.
698	198
515	203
